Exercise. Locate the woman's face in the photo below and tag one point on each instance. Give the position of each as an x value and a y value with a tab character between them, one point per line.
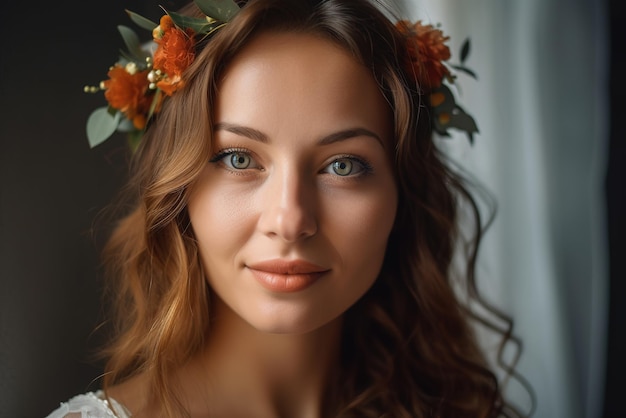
293	212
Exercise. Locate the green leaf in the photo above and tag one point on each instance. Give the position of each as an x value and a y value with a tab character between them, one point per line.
222	10
132	44
141	21
462	121
465	49
126	125
126	57
466	70
101	125
197	24
441	130
448	104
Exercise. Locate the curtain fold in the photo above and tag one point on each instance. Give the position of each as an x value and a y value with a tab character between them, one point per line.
541	103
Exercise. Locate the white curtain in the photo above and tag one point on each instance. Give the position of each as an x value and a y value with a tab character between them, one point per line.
541	103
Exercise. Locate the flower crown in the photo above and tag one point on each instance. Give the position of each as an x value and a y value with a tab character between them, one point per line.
145	75
428	55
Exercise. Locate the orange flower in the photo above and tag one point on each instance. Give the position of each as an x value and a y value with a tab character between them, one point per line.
175	52
128	92
427	50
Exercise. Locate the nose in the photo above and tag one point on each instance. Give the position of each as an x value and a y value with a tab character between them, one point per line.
288	206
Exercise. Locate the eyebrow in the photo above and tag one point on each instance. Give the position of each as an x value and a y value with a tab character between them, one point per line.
242	131
257	135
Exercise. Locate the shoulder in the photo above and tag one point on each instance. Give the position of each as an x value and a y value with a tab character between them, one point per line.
90	405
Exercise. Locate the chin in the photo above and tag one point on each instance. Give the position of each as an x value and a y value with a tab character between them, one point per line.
290	324
284	327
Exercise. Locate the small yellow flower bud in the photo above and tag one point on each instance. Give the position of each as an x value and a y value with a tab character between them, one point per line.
131	68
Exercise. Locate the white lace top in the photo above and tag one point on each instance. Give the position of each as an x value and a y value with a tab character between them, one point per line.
90	405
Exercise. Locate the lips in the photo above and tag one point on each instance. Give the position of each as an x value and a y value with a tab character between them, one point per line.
286	275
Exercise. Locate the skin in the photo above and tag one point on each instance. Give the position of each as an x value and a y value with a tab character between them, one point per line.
301	171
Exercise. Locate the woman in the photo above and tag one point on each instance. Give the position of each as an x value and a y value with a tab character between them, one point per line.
289	248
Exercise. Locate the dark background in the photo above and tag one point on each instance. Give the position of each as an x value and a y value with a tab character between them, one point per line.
53	187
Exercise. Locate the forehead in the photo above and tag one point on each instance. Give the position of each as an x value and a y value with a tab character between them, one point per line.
283	80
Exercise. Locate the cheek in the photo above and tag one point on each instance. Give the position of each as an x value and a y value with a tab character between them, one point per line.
360	227
221	220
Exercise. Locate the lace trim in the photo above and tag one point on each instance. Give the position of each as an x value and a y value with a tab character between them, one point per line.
91	405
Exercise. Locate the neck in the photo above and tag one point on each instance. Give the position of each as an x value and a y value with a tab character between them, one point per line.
246	372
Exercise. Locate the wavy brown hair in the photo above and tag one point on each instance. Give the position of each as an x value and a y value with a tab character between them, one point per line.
409	347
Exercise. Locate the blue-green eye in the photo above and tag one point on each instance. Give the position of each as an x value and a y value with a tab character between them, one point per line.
342	167
235	159
239	160
347	166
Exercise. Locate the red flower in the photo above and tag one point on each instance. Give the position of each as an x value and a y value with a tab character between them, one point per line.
128	92
175	52
427	51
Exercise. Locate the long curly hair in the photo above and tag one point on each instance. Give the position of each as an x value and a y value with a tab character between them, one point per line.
409	346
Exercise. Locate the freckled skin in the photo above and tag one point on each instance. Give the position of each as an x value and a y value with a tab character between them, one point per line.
282	197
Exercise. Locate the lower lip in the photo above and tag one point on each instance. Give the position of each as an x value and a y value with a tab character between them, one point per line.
286	283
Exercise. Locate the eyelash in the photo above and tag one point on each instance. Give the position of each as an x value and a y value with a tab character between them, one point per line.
366	167
226	151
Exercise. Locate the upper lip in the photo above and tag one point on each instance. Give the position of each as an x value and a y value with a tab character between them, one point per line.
280	266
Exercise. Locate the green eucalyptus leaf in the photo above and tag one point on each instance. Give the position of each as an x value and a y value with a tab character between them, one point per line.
141	21
126	57
101	125
132	44
441	130
465	49
462	121
131	40
126	125
466	70
448	104
198	25
222	10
